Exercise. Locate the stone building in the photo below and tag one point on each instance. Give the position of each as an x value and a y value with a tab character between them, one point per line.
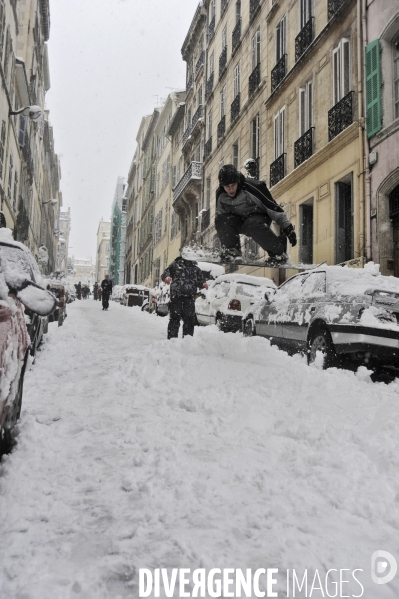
64	228
103	248
118	233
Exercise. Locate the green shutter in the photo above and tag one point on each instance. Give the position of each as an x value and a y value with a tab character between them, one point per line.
373	88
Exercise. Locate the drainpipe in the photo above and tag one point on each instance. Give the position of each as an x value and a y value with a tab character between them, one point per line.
362	33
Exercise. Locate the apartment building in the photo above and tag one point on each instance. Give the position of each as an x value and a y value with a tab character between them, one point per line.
381	47
103	249
83	270
116	266
64	228
29	168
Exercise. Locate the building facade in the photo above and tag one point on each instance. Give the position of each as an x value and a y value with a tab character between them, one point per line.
103	250
117	236
64	228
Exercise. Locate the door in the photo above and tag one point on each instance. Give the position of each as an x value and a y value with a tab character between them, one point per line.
344	221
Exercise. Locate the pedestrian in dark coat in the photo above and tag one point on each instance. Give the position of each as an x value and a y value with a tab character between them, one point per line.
95	290
78	288
184	278
245	205
106	286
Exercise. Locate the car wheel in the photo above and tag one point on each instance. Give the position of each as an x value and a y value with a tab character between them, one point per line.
320	340
249	328
220	323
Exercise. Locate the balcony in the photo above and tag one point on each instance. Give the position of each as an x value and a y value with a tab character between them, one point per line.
199	64
277	170
198	115
222	62
187	135
236	36
189	85
304	39
254	80
254	6
211	29
303	147
334	6
223	6
193	173
235	108
205	219
222	127
208	148
209	86
278	73
340	116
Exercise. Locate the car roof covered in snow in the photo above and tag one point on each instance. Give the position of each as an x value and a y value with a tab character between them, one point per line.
243	278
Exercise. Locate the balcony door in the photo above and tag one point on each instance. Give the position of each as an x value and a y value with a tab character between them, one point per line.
344	219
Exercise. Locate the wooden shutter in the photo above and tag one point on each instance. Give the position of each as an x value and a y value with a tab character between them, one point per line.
373	88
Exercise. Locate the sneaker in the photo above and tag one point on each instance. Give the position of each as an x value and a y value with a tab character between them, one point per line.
229	254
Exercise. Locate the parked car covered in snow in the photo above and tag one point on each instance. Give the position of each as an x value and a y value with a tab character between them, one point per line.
117	293
228	297
20	259
163	299
59	289
135	295
348	314
16	291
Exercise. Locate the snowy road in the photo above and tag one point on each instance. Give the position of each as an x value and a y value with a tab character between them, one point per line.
209	452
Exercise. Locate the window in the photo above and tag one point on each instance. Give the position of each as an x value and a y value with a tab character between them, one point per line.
279	133
211	63
305	108
197	154
213	9
174	225
235	155
255	137
2	28
157	267
2	146
344	219
305	12
221	164
195	218
210	124
15	191
236	82
341	70
224	37
207	194
396	76
166	216
238	11
280	39
255	49
10	173
223	102
199	96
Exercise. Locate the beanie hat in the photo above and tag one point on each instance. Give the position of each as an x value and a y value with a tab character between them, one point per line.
228	175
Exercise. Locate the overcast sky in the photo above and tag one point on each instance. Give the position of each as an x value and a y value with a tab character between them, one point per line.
111	61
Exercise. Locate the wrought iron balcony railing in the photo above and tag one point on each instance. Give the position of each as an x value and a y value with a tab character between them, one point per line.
208	148
277	170
209	85
211	29
222	62
304	39
303	147
254	6
223	6
200	62
187	134
236	36
254	80
278	72
197	116
235	108
340	116
334	6
205	220
189	84
194	172
222	127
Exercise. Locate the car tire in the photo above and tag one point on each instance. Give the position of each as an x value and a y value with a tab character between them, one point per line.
320	340
249	327
220	323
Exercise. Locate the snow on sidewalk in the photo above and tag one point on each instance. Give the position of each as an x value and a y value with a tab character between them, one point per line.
213	451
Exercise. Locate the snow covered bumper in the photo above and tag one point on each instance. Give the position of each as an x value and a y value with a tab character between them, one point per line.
378	342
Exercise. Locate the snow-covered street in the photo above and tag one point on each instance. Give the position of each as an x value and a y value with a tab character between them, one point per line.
216	451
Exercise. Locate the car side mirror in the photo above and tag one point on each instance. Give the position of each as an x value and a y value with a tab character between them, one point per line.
35	298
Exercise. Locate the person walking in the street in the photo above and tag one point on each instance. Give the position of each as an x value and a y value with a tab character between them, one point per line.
78	288
95	290
106	286
245	205
184	278
99	293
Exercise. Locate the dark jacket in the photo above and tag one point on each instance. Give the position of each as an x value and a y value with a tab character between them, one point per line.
186	276
258	189
106	286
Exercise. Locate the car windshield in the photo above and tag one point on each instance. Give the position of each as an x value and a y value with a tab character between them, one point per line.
246	290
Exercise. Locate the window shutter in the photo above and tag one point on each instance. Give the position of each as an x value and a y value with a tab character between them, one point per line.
373	88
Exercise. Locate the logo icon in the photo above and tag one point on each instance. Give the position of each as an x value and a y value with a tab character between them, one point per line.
383	567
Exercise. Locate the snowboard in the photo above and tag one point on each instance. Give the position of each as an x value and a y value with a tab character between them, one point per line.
215	258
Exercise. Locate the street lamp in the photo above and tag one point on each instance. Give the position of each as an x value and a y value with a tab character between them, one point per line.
53	202
35	112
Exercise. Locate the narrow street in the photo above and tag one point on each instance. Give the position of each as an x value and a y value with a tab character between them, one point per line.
216	451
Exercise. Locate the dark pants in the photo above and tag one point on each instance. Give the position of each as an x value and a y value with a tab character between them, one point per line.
229	227
181	308
105	298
